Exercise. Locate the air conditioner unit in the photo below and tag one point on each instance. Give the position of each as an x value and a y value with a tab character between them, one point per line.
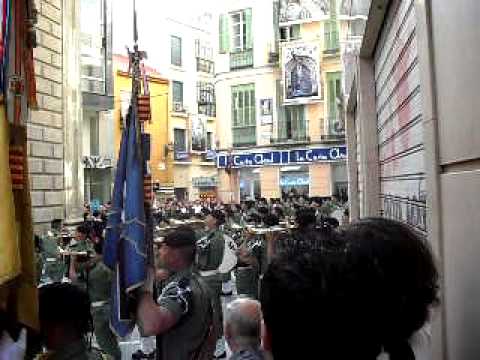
178	107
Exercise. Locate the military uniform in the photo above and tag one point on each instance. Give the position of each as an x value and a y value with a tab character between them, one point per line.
188	298
99	289
249	268
210	256
54	268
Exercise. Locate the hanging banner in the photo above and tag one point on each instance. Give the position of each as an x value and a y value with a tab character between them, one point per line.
199	133
301	72
282	157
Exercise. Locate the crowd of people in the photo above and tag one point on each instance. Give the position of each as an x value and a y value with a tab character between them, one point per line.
307	284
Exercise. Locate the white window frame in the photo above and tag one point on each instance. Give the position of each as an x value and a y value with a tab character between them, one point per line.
242	35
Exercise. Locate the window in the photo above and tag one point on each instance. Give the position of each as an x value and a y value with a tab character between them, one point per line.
206	98
92	46
244	115
179	138
176	50
334	96
204	55
332	42
236	31
94	134
177	93
290	33
209	140
292	125
357	27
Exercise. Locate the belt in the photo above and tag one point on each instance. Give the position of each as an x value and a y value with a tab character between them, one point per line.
241	268
51	259
209	272
97	304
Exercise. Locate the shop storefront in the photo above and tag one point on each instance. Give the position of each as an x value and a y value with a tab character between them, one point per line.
294	181
312	172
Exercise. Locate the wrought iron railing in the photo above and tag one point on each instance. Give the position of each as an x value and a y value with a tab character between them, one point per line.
241	60
244	136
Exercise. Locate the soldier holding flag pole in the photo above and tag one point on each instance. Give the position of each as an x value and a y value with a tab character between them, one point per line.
182	315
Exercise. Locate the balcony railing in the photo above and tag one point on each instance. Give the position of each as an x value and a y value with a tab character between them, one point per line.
241	60
244	136
292	140
206	66
179	155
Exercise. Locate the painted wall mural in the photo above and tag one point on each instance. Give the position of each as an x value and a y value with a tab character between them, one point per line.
301	72
298	11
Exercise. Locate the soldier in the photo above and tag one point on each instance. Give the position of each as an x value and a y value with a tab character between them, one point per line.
98	284
210	255
54	268
182	316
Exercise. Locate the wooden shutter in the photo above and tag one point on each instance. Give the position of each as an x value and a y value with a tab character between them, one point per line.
248	21
224	34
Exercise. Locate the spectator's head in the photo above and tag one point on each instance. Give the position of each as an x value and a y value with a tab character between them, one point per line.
64	312
243	324
177	249
394	281
215	219
81	232
303	302
305	217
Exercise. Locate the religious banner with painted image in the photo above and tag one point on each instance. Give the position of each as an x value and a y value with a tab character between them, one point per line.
301	72
301	11
199	133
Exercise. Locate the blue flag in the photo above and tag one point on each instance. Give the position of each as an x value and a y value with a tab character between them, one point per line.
124	249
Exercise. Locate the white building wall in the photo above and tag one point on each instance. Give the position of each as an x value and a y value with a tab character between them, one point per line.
263	74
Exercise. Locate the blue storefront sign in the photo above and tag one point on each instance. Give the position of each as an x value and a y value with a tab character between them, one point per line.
294	180
282	157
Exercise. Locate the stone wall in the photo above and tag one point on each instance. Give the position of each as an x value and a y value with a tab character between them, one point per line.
45	126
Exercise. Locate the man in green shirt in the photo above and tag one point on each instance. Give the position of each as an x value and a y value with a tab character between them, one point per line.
182	316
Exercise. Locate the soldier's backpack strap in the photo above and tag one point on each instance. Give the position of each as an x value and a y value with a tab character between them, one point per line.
206	348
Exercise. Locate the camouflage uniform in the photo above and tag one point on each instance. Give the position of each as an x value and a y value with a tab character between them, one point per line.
209	259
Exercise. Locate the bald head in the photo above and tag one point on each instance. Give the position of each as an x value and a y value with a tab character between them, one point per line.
243	321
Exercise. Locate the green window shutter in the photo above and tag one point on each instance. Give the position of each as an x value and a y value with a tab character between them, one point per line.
281	126
224	34
248	21
333	91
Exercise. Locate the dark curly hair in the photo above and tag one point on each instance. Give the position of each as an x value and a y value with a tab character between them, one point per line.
350	293
394	280
65	304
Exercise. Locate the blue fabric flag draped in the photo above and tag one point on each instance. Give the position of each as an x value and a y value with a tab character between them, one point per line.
124	249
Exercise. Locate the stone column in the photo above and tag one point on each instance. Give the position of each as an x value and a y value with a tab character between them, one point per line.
72	111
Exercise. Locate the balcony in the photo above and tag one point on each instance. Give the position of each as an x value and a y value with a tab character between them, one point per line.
241	60
206	66
179	155
244	136
291	140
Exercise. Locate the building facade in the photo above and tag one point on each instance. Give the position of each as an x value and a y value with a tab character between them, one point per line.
279	92
161	158
189	68
96	83
415	145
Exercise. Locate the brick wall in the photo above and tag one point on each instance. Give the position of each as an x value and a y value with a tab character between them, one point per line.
45	126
